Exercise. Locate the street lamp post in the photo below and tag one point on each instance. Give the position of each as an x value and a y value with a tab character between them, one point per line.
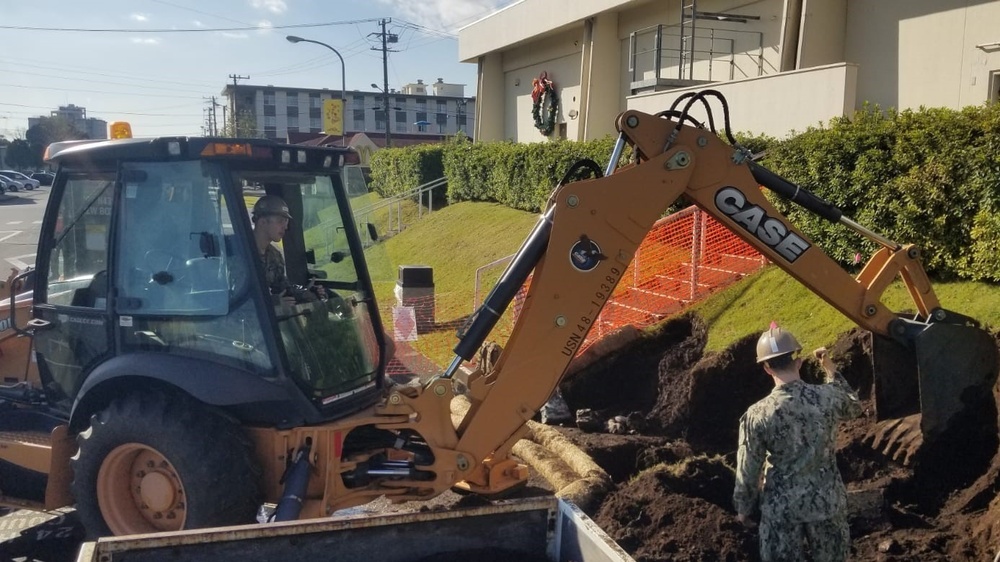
343	81
385	103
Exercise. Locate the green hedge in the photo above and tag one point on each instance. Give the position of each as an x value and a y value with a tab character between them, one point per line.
929	177
395	171
520	176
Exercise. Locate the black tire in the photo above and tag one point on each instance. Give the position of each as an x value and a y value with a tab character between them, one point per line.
155	462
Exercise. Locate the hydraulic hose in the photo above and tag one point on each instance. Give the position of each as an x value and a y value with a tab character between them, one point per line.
296	480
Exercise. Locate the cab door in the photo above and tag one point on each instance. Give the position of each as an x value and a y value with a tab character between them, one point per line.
71	326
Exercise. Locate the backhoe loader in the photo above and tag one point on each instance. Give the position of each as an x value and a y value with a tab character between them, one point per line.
168	390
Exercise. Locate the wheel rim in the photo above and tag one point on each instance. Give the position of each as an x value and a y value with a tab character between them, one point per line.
139	491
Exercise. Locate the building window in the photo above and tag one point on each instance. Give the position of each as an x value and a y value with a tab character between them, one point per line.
400	127
315	102
292	111
461	121
421	116
269	110
315	123
380	119
293	122
442	106
268	98
315	112
401	102
270	132
270	121
442	127
401	117
358	100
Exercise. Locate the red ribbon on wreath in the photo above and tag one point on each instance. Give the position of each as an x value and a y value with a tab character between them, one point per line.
538	86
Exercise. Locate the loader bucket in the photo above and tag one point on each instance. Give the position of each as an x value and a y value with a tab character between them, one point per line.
945	373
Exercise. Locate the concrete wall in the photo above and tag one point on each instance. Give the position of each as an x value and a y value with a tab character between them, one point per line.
923	52
894	53
557	55
772	105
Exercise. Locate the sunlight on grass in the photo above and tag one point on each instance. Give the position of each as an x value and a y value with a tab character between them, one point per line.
460	238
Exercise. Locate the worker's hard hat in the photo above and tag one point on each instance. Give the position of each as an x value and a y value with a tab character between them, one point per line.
776	342
270	205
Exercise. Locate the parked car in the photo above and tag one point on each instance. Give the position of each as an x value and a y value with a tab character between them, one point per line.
12	184
3	186
44	178
25	181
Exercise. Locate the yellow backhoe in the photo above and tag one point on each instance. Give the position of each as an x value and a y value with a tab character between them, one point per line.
167	389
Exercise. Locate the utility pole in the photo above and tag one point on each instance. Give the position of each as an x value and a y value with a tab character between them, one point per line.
215	119
386	38
211	121
235	77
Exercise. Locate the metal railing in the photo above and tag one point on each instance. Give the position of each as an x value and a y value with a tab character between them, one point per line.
393	207
706	47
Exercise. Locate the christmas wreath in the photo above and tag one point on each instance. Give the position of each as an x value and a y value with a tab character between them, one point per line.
543	92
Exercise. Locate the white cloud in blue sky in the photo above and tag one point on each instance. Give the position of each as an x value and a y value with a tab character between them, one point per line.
181	54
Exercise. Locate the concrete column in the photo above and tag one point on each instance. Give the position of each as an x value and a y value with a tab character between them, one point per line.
490	99
602	80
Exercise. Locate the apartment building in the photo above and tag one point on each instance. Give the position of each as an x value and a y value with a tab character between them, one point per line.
783	65
434	110
92	127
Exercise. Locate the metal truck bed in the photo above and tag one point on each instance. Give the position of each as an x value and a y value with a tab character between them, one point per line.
529	529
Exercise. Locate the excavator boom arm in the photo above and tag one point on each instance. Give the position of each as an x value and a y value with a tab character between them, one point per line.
596	227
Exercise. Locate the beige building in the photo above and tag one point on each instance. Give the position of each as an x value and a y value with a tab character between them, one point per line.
783	65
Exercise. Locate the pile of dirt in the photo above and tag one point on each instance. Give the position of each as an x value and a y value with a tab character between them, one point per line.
668	419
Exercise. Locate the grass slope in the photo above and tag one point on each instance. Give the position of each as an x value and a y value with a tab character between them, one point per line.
458	239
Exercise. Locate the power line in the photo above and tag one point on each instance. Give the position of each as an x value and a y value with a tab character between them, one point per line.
185	30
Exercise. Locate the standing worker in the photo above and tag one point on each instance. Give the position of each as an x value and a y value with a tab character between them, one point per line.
802	499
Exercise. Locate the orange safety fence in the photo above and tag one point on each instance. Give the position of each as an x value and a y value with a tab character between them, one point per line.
684	258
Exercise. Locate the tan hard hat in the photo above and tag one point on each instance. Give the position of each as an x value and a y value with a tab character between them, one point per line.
271	205
775	342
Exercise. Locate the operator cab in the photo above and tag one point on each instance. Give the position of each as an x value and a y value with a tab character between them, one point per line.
148	274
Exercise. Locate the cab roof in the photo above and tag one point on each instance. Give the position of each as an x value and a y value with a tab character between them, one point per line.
187	148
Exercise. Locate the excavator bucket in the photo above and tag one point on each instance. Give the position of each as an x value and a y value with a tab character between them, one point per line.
940	382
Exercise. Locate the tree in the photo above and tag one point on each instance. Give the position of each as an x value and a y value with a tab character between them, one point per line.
245	126
47	131
20	156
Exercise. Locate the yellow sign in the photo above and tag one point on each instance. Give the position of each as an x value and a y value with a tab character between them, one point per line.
333	116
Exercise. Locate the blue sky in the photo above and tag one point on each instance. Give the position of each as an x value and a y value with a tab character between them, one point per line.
137	61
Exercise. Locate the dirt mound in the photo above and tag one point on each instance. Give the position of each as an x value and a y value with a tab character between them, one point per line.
674	470
678	512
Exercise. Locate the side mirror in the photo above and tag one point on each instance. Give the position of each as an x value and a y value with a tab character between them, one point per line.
16	283
208	244
338	256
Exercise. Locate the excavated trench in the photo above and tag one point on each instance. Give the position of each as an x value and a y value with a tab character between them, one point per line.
661	417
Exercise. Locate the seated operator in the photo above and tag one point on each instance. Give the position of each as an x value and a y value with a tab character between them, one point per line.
270	221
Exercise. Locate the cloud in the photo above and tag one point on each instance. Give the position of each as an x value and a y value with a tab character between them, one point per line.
197	23
443	15
146	40
234	35
265	26
138	17
273	6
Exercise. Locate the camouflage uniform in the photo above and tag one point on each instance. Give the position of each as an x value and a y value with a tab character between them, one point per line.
803	501
277	281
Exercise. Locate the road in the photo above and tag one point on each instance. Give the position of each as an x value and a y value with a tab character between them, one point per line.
20	221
